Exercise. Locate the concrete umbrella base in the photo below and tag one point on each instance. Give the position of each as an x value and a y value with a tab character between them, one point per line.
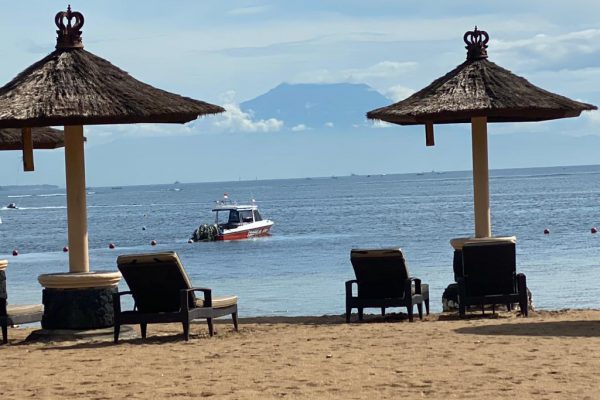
78	301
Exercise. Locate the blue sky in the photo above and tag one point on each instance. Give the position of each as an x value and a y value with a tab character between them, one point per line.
229	52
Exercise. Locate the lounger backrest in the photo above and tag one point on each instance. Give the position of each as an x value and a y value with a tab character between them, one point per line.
381	273
155	279
489	268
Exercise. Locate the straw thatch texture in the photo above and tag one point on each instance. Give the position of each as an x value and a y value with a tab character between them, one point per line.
43	138
75	87
479	88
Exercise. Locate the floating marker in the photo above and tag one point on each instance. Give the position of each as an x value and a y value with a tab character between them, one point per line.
65	249
594	230
190	241
111	246
153	243
546	231
143	228
15	252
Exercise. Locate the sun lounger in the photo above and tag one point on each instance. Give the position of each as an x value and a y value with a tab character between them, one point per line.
15	314
163	293
489	276
382	281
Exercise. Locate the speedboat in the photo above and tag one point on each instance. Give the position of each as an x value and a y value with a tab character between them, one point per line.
12	205
232	222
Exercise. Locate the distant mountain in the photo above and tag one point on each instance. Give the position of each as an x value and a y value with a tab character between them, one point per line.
316	106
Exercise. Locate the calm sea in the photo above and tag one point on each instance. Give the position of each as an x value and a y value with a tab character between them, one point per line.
301	268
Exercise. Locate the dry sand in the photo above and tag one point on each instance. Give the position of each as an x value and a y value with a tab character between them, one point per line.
551	355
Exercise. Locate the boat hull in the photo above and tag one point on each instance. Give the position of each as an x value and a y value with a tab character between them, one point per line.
245	233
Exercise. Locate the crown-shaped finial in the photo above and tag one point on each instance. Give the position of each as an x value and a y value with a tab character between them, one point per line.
69	35
476	41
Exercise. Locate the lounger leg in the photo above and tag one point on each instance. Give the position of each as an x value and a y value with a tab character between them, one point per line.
420	309
493	309
211	330
427	306
382	311
409	309
143	328
348	311
462	309
117	331
4	333
186	330
360	313
235	321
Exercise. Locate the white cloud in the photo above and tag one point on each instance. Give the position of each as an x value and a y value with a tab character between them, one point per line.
543	51
299	128
235	120
329	124
398	92
379	124
381	70
252	10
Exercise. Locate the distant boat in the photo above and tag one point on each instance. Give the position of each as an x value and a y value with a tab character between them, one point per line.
240	222
117	187
176	183
12	205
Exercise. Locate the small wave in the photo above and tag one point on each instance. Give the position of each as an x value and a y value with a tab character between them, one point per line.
40	208
20	195
51	195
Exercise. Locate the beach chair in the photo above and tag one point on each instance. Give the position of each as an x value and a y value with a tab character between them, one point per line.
15	314
162	293
489	276
382	281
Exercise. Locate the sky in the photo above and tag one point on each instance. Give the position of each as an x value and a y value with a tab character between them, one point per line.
229	52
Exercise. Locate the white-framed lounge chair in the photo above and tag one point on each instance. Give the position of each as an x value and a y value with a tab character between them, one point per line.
163	293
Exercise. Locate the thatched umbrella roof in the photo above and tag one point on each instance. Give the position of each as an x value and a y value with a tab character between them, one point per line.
72	86
43	138
479	88
478	91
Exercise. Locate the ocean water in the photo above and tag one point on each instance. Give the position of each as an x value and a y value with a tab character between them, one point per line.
301	268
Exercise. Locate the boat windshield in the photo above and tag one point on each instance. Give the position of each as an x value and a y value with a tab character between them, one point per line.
246	216
227	217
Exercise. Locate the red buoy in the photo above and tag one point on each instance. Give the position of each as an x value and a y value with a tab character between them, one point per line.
111	245
65	249
546	231
594	230
153	243
15	252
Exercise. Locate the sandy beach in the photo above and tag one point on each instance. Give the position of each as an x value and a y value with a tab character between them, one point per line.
551	355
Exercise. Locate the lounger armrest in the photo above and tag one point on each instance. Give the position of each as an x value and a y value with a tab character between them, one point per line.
349	287
184	293
117	300
417	283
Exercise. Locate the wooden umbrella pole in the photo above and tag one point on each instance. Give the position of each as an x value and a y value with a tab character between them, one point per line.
481	190
76	200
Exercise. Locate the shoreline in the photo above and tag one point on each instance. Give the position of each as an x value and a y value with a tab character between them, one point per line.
550	355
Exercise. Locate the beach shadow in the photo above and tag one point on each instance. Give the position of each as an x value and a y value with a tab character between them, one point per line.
327	319
548	329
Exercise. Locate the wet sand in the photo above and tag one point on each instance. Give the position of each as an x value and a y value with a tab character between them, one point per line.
551	355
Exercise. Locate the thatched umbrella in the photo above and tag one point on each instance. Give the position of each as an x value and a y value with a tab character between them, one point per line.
73	87
29	139
41	138
479	91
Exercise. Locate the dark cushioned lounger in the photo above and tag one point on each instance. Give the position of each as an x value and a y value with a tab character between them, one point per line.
382	281
163	293
489	276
